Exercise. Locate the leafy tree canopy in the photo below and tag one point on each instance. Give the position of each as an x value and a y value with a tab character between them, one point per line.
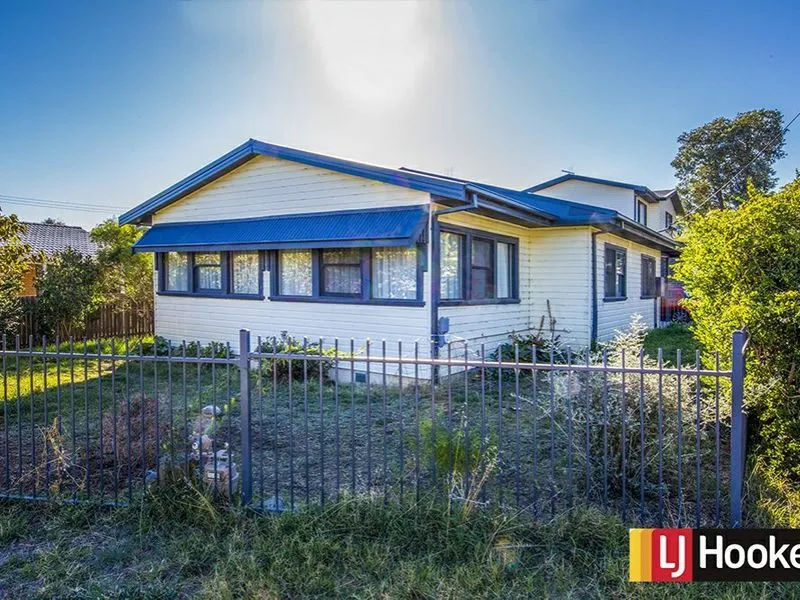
729	150
742	269
52	221
15	258
67	292
126	277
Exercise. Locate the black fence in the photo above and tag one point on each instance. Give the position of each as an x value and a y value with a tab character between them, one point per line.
278	426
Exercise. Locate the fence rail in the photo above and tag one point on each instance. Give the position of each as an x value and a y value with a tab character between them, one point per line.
281	427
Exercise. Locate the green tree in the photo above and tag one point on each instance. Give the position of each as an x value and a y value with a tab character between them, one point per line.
126	277
67	292
718	158
742	269
15	258
52	221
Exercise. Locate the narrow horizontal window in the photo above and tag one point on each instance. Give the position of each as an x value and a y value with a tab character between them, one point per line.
341	272
176	278
245	273
394	273
294	270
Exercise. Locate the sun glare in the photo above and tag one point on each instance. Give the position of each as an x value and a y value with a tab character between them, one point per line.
373	52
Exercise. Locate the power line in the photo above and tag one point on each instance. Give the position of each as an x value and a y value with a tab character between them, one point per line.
44	203
727	183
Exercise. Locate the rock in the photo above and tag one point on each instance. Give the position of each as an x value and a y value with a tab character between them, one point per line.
274	504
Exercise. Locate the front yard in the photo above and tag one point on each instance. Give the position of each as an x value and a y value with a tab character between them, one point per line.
178	545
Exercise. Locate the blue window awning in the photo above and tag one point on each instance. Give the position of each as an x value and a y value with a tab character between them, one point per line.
354	228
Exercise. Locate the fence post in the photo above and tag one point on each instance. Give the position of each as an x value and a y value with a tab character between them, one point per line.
244	398
738	427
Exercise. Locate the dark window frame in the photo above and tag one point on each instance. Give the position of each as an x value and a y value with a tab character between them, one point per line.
223	274
641	212
365	297
620	295
651	291
669	221
466	266
226	267
355	265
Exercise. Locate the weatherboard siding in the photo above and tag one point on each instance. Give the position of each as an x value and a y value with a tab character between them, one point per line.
267	186
595	194
561	274
264	187
615	316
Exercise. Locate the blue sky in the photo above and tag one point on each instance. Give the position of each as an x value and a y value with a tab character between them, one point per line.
106	104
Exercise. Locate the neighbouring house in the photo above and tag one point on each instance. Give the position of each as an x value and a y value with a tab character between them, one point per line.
276	239
48	240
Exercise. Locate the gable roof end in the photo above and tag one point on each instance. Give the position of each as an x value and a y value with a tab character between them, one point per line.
252	148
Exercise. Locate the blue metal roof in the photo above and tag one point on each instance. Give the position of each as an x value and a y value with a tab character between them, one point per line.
252	148
379	227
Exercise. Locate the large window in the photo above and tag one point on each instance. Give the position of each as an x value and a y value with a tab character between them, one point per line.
245	273
648	277
379	275
451	262
490	274
615	272
176	276
227	274
295	268
394	273
341	272
669	220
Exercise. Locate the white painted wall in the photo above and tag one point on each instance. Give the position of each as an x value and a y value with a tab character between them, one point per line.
595	194
613	316
554	264
268	186
561	273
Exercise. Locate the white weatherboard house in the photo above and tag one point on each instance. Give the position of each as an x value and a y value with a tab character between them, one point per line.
275	239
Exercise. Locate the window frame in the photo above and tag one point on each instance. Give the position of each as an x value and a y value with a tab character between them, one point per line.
466	266
646	258
617	250
669	221
365	297
359	265
223	273
226	268
641	212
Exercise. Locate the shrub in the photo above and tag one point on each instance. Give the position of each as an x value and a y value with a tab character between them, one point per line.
544	342
741	269
67	292
297	368
15	258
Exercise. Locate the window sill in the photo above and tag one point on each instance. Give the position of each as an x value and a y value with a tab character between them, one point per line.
479	302
619	299
207	295
345	300
647	297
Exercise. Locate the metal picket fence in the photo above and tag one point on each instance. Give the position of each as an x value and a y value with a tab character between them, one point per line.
282	424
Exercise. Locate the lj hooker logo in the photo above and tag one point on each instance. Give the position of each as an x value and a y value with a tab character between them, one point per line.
715	554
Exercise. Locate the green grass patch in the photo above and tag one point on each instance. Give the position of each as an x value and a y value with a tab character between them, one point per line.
180	544
673	337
